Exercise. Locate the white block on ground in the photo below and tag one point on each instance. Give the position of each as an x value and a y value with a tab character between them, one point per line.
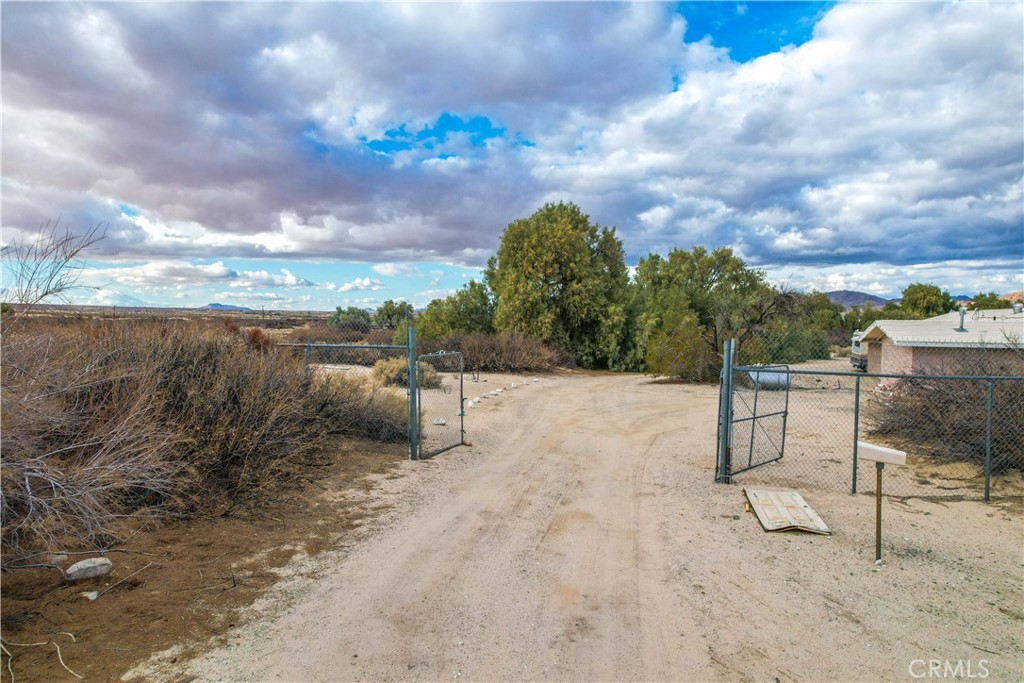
87	569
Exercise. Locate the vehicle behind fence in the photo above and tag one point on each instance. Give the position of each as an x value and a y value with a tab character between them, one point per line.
797	425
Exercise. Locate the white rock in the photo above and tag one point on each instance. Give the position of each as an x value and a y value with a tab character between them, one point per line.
87	569
513	385
440	421
89	595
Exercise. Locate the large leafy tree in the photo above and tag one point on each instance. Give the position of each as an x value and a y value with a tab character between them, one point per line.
988	301
351	318
391	314
561	279
693	301
925	301
470	309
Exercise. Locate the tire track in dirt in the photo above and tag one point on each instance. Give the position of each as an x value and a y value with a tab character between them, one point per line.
581	538
534	567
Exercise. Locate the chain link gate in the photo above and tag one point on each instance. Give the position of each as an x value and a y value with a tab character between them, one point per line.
753	408
439	388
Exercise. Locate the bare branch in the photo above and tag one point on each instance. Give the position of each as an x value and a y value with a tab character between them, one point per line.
48	265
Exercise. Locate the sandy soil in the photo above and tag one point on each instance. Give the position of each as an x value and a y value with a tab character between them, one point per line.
581	538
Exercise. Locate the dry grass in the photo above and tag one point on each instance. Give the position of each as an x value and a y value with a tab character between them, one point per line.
948	420
104	420
395	372
505	352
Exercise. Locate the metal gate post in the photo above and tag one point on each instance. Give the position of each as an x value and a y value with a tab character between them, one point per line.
414	439
988	445
462	403
725	440
856	430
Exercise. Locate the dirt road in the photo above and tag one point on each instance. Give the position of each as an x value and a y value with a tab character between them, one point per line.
580	538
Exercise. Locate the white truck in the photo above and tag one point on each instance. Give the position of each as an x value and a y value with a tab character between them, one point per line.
858	355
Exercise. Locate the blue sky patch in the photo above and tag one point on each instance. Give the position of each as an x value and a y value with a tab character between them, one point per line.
479	129
752	29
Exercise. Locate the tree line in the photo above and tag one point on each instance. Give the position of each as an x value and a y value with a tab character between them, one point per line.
562	279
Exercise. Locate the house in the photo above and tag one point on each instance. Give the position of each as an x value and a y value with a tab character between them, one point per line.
959	342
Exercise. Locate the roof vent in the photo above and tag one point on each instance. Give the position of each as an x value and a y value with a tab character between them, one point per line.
963	312
1018	307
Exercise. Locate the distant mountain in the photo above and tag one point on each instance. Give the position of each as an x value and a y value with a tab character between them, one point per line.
848	299
106	297
225	307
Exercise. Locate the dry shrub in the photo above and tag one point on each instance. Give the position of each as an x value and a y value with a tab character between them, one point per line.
394	372
258	340
81	439
355	409
110	419
948	419
505	352
683	354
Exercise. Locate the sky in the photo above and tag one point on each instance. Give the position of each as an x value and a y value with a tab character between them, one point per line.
303	156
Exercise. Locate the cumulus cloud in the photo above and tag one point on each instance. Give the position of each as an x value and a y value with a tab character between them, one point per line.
338	131
396	269
359	284
156	273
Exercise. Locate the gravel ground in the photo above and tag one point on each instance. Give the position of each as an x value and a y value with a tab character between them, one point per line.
580	538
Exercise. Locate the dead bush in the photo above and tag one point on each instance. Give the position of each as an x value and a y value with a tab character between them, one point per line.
103	420
505	352
395	372
948	419
258	340
351	408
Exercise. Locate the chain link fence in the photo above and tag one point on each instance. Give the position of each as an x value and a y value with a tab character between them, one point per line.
440	400
797	425
367	364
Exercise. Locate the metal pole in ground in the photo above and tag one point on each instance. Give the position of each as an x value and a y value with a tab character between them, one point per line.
462	404
878	511
725	444
856	430
988	445
414	443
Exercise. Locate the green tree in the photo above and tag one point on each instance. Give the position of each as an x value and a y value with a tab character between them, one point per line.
989	301
700	295
351	318
392	313
562	280
925	301
470	309
818	311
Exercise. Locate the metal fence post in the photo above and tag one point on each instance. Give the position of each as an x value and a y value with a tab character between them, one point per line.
725	419
413	408
988	444
305	356
462	404
856	430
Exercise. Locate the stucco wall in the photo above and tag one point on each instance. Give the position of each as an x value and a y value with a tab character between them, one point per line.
953	361
874	356
896	359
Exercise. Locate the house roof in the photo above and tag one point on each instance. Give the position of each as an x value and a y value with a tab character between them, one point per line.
982	329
